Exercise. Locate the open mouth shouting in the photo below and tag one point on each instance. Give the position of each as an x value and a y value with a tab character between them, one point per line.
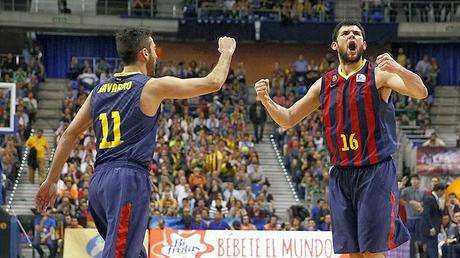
352	47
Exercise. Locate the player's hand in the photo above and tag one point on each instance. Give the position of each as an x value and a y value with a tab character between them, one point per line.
433	232
46	196
262	88
227	44
386	63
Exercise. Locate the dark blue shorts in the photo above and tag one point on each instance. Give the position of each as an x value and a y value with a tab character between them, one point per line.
364	209
119	200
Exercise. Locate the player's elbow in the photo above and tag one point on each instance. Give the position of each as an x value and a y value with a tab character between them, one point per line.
422	94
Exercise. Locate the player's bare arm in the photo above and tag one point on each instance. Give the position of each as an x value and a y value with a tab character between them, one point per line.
47	193
289	117
391	75
168	87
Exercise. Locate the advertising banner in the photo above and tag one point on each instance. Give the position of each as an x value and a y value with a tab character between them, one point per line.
232	243
433	161
86	243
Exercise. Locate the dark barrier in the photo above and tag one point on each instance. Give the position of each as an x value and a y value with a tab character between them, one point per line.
322	32
9	235
210	30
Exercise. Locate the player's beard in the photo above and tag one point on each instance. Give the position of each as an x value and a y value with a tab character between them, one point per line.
151	65
348	59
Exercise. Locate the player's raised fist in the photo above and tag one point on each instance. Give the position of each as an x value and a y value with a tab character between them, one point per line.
262	88
386	63
227	44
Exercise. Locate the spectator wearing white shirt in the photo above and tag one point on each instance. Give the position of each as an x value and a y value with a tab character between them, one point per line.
88	78
434	141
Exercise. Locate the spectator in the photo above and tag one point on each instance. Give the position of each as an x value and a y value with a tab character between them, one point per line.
74	69
37	68
74	223
300	67
198	223
45	230
103	69
246	225
423	68
257	176
412	197
434	141
452	204
40	144
311	225
433	74
401	58
326	225
88	78
218	223
218	206
196	178
31	106
432	217
258	117
272	224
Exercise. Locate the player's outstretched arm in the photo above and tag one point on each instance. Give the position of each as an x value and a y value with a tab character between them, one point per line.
169	87
47	192
289	117
394	76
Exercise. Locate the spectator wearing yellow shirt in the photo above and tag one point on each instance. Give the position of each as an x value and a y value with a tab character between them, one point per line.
401	58
40	144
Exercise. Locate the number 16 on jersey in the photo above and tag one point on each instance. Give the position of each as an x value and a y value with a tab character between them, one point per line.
350	143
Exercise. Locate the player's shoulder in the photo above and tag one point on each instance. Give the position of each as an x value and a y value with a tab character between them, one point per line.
330	73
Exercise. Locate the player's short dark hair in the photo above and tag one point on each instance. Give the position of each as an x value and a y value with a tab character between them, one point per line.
129	41
347	23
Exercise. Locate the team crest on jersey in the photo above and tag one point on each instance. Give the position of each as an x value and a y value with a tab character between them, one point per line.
360	78
334	80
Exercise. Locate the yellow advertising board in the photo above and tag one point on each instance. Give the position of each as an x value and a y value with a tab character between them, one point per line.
86	243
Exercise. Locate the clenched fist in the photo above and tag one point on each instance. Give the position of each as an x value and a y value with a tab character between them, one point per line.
386	63
227	44
262	88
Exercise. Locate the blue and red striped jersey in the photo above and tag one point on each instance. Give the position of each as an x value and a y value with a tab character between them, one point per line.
123	132
359	126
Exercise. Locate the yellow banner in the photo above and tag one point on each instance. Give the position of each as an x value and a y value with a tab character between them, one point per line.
86	243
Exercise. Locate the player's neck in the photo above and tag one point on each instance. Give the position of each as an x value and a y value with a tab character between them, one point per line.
134	69
348	68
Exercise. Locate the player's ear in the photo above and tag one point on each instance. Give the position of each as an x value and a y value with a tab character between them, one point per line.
364	45
145	54
334	45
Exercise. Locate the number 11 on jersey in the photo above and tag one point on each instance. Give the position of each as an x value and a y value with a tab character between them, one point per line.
105	130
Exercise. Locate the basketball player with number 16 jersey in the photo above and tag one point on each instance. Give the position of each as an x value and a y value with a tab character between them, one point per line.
359	128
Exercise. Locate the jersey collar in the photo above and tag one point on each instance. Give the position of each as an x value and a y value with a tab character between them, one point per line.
124	74
339	69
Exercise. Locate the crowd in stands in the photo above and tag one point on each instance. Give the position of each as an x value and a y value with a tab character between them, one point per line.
287	11
27	71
